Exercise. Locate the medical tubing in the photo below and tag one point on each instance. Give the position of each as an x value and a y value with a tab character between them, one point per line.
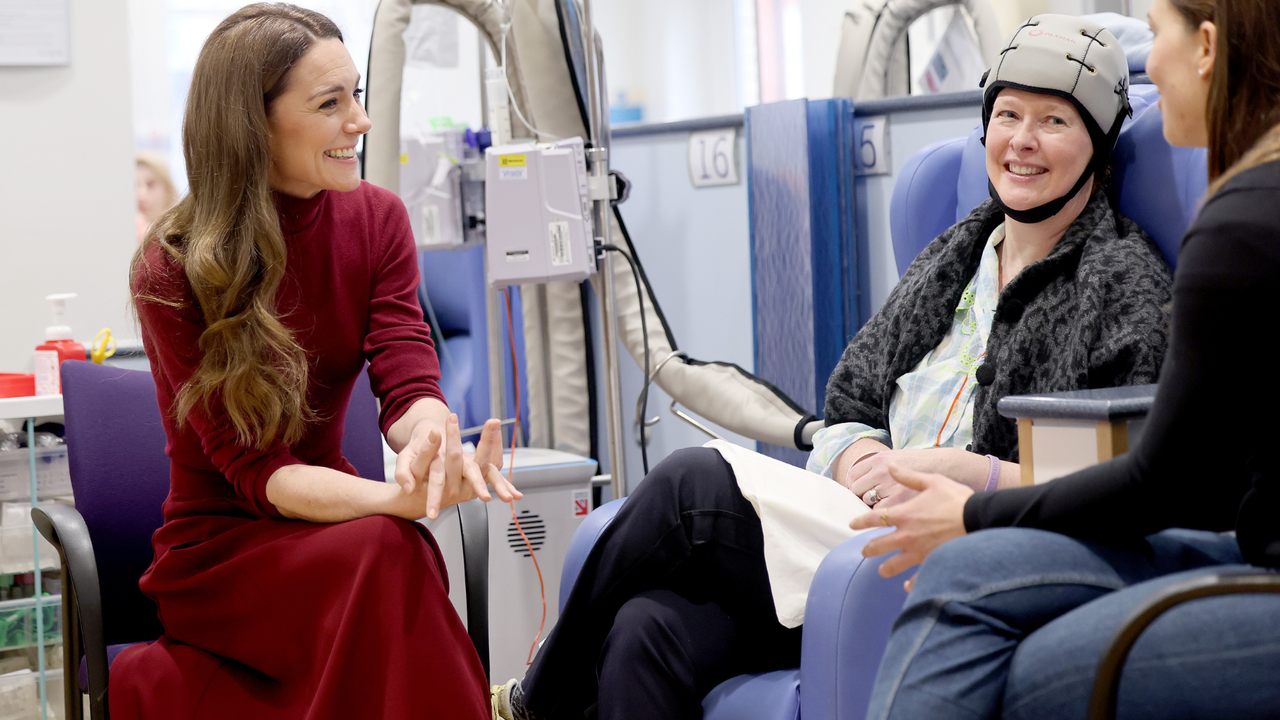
511	471
644	330
506	27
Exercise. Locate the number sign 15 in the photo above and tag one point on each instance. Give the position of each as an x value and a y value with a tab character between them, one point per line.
870	149
713	157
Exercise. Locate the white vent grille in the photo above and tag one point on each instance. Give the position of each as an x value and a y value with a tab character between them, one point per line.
533	529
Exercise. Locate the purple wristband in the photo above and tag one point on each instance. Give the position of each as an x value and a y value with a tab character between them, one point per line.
993	477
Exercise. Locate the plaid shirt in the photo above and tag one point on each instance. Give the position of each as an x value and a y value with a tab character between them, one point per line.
933	404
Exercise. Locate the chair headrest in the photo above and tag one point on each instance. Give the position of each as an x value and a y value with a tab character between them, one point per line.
924	199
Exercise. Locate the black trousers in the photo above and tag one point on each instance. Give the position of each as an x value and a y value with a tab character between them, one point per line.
673	599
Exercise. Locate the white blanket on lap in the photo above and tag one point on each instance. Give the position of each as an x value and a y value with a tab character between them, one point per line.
804	516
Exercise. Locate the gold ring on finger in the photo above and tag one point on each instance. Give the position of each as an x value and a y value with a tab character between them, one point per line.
884	517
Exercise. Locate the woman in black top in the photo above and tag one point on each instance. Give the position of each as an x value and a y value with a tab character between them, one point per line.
1012	622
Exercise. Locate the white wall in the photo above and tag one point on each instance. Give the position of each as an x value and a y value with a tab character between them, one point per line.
675	58
67	186
1140	8
149	65
823	21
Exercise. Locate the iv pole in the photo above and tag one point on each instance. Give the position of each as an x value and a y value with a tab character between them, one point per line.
601	192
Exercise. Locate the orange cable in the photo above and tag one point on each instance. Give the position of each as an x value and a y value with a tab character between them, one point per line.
515	433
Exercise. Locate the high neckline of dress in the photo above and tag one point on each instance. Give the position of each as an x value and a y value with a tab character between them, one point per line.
297	214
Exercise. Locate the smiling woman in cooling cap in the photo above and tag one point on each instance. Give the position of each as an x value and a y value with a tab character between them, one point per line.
1044	287
287	585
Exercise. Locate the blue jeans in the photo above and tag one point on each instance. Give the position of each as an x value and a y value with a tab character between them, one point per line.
1012	622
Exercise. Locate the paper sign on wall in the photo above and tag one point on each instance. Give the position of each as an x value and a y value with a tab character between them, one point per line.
35	32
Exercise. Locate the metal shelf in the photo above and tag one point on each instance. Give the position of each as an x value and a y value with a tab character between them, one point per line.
21	408
14	648
19	603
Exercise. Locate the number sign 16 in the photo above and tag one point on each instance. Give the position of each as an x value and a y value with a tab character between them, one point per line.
713	157
870	150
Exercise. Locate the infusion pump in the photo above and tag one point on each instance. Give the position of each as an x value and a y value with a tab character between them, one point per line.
442	186
527	202
538	213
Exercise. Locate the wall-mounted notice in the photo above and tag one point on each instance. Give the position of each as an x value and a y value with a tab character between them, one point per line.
713	157
35	32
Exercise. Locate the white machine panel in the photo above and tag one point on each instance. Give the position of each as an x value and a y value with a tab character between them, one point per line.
538	213
431	187
557	496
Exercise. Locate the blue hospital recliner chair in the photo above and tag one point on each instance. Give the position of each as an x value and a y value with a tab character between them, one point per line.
851	608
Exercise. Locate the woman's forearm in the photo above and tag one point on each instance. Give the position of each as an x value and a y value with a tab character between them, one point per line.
428	410
322	495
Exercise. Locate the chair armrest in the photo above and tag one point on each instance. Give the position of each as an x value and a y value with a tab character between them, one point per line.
1060	433
847	620
1101	405
64	528
1106	685
473	522
584	538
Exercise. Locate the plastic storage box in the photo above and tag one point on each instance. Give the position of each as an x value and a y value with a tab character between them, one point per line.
20	698
53	473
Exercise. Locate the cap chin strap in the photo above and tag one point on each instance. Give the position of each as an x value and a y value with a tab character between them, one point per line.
1041	212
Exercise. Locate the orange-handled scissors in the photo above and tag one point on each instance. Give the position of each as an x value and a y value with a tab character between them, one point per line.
103	346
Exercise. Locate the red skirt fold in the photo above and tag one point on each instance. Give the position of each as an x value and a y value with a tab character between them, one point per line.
289	619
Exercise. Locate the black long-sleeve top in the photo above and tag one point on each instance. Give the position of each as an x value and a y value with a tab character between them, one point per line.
1207	458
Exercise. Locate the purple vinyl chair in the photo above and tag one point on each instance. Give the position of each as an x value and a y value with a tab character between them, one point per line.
120	478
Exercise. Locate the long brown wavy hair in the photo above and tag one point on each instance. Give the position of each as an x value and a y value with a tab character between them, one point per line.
225	233
1243	110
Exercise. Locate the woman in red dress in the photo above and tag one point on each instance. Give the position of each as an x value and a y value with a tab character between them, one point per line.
289	587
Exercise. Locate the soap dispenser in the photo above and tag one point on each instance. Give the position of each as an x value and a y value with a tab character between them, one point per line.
58	346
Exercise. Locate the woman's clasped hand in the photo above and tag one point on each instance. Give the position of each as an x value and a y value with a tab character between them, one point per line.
435	472
872	472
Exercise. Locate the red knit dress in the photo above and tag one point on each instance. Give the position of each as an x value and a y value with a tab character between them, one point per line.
272	618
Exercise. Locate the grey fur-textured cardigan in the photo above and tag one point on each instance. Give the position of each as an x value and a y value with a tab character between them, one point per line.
1092	314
